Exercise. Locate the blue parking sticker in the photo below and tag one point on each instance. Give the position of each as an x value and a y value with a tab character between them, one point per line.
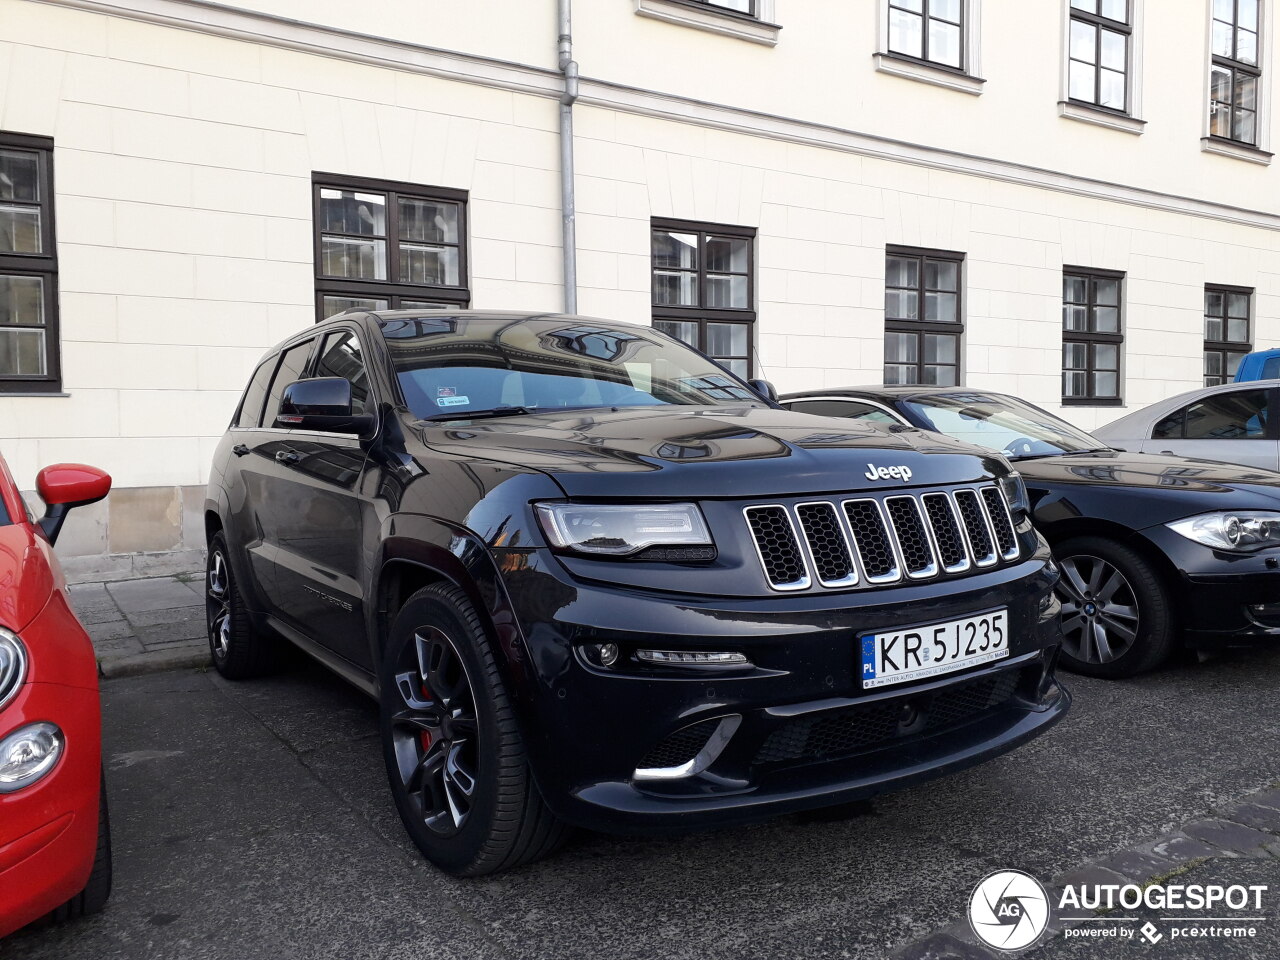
868	658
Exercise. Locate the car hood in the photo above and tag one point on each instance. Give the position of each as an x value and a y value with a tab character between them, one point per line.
709	452
1154	473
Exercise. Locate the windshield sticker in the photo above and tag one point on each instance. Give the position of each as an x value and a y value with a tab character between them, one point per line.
452	400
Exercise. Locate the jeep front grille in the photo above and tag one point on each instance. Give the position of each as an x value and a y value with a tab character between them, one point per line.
871	541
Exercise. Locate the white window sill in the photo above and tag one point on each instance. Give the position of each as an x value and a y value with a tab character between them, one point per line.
1103	118
706	17
1239	151
909	69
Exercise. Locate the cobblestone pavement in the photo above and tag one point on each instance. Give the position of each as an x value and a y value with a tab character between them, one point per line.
141	626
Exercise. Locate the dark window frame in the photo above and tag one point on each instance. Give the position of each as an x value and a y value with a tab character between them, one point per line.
1100	23
920	327
1092	338
312	343
391	289
43	265
1225	346
925	17
1237	69
703	315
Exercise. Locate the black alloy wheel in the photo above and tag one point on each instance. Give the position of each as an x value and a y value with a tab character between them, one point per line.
237	650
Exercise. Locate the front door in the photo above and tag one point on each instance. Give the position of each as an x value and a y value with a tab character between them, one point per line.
1235	426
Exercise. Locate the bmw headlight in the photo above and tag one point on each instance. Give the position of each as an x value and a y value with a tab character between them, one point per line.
1242	530
13	665
1014	489
28	754
618	530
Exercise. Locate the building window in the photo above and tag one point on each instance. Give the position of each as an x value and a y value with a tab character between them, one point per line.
1098	53
1226	332
737	6
704	291
928	30
29	356
1234	77
388	246
1092	337
922	325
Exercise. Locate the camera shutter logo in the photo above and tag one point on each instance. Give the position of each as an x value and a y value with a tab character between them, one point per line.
1009	910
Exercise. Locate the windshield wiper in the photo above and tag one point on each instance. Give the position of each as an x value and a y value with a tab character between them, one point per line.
504	411
1058	453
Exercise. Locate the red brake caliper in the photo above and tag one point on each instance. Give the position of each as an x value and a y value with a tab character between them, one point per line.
425	735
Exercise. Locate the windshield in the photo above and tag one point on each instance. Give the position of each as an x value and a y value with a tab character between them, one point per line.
1011	426
457	366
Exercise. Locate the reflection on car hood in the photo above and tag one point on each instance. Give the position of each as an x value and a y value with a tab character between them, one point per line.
700	452
1151	471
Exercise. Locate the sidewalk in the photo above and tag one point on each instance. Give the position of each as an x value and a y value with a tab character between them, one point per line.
142	626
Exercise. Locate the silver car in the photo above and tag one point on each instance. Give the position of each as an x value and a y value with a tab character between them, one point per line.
1231	422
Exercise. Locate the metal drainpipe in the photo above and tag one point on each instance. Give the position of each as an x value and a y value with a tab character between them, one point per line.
569	67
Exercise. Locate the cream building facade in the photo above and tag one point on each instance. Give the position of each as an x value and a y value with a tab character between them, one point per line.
1042	198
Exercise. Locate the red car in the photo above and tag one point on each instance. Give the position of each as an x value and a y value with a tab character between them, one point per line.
55	842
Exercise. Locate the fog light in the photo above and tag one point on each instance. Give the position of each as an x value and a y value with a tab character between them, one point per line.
692	657
28	754
608	654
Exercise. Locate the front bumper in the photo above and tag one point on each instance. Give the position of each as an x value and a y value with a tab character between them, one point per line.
1217	590
805	734
49	830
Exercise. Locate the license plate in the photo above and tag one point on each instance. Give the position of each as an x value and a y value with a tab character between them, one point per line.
899	656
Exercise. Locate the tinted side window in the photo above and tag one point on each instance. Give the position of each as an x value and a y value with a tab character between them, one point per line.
292	363
254	394
1228	416
341	356
851	409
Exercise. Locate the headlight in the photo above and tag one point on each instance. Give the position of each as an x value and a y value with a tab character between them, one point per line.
1015	494
1237	530
617	530
13	665
28	754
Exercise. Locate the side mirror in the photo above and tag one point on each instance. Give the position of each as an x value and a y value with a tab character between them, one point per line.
322	404
765	389
65	485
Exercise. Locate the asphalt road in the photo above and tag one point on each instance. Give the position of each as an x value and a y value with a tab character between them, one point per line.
253	821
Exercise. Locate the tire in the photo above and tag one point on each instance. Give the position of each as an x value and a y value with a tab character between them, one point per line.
238	651
447	726
1117	616
94	896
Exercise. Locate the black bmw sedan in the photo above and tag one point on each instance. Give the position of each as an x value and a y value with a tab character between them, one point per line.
1156	551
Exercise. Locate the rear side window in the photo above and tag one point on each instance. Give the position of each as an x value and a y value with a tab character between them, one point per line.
341	356
251	406
292	362
1227	416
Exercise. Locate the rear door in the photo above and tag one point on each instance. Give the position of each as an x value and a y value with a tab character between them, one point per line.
1236	426
311	486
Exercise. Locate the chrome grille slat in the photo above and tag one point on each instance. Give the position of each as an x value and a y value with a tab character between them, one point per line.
976	526
914	544
828	544
778	547
1001	522
952	551
876	550
880	540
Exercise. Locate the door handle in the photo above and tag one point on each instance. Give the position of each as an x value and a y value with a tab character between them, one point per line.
239	449
287	457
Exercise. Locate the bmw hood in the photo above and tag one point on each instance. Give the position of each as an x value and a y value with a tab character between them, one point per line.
713	452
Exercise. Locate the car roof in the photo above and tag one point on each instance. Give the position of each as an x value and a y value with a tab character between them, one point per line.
888	390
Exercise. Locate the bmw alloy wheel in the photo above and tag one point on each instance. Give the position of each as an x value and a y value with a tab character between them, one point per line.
1100	615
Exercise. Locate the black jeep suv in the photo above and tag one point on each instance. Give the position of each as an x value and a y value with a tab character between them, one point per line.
595	579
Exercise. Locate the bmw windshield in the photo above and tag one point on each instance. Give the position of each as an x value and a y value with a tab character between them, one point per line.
1011	426
459	366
